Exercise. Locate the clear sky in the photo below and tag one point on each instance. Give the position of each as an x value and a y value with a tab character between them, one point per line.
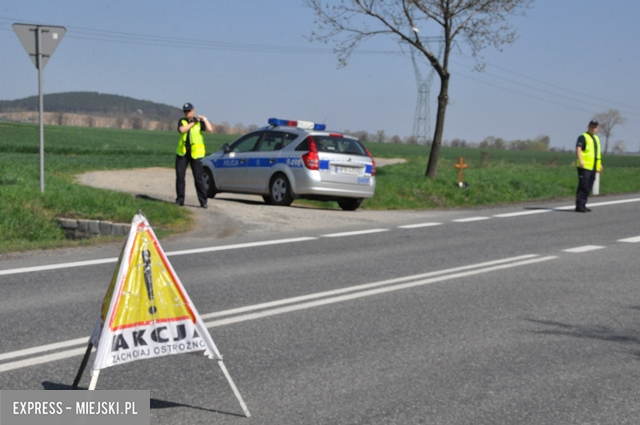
244	61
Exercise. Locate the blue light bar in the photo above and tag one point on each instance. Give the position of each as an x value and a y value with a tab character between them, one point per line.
306	125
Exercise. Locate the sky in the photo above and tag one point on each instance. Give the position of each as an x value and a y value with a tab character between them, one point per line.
244	61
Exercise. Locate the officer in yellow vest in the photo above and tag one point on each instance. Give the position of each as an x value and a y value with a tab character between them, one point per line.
589	162
190	151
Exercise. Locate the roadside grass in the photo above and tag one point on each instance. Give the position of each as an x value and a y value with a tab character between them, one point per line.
27	216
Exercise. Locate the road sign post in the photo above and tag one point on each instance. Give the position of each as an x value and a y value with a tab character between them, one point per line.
40	41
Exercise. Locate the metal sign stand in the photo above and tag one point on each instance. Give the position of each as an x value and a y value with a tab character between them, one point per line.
40	52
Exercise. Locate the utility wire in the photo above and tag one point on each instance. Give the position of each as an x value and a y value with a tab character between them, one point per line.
84	34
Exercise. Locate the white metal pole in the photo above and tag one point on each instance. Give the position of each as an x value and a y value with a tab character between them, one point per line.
41	97
234	388
94	379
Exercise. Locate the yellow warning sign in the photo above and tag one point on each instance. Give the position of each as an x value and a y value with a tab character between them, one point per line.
149	293
146	311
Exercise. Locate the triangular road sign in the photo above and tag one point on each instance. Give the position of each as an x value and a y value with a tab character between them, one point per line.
50	37
147	312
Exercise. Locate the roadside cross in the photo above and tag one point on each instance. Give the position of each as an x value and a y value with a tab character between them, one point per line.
460	166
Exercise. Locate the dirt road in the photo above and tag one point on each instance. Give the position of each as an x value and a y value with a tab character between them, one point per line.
230	214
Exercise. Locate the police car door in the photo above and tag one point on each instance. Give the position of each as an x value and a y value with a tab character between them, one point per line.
231	168
264	159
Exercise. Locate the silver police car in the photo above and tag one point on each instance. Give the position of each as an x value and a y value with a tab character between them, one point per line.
293	159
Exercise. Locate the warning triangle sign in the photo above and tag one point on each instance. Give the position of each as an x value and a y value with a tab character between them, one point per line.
147	312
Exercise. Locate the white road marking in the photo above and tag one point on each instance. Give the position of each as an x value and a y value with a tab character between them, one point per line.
585	248
518	214
328	297
630	240
622	201
415	226
355	233
469	219
169	254
267	313
43	348
361	287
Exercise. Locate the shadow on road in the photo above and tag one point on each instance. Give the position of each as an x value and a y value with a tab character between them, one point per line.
153	402
629	337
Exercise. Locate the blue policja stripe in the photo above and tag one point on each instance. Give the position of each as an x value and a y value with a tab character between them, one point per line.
263	162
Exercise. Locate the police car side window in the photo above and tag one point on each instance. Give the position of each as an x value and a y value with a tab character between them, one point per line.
246	143
288	138
272	141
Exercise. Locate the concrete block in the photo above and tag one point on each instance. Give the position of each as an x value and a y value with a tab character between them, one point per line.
105	227
120	229
94	227
83	226
67	223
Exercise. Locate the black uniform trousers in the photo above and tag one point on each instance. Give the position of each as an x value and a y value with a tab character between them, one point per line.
585	185
196	169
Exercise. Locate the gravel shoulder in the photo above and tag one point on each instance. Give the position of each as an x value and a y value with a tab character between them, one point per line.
235	215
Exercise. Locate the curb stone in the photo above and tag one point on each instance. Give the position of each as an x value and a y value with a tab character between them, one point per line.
83	229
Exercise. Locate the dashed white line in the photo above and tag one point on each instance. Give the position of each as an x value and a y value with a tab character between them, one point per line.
585	248
415	226
517	214
470	219
630	240
355	233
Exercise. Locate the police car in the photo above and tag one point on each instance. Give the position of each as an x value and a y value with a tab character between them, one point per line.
288	160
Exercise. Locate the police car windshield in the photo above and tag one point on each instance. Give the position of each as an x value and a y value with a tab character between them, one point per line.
334	144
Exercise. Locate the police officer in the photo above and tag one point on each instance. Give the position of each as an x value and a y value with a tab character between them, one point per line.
589	162
190	151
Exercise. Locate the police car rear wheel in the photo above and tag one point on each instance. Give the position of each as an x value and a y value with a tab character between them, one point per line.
209	184
280	191
350	204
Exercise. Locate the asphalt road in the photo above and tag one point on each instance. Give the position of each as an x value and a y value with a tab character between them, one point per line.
515	315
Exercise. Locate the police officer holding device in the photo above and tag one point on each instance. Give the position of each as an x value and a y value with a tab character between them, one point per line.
589	162
190	151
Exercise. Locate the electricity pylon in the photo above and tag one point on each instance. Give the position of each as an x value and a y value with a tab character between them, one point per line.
422	121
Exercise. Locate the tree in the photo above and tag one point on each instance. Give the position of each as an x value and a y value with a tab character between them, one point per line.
477	22
619	147
608	120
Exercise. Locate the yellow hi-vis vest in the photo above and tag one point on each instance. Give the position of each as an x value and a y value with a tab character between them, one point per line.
591	153
196	140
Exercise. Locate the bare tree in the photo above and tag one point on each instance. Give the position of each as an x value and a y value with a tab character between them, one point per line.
477	22
619	147
608	120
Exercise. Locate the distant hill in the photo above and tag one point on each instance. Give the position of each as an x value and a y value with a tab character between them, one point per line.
93	103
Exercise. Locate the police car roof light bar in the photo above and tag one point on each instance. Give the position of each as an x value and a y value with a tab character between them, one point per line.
306	125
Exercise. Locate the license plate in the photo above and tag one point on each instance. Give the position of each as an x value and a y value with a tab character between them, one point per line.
347	170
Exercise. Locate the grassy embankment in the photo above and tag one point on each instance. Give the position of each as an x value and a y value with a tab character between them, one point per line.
27	216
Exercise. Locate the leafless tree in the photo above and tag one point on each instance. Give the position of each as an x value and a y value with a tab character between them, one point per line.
478	23
608	120
619	147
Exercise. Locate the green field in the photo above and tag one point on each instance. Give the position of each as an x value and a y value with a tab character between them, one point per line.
27	216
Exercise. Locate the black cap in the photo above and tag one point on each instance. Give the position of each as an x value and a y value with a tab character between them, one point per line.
593	123
187	107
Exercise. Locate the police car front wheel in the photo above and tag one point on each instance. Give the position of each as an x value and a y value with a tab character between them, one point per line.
280	191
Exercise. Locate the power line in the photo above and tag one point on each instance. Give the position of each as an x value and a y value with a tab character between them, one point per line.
89	34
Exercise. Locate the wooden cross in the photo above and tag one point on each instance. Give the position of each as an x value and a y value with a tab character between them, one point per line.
460	166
